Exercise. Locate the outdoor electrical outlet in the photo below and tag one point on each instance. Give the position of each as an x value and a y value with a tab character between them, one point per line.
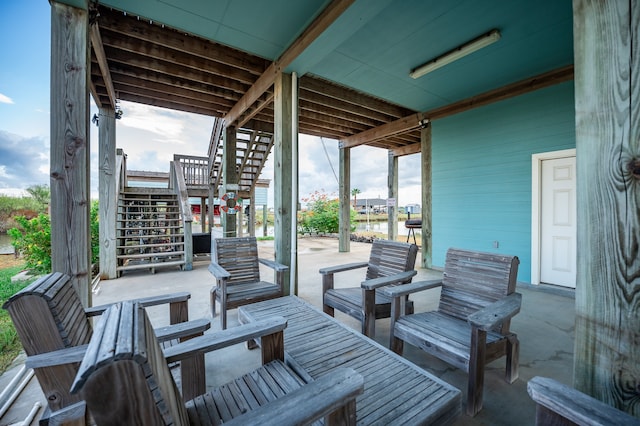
495	244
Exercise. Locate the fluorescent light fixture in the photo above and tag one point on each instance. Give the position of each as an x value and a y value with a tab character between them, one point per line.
457	53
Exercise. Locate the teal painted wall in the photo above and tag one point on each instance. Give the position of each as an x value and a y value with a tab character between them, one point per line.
482	171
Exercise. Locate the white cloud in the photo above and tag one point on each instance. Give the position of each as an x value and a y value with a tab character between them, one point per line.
4	99
168	124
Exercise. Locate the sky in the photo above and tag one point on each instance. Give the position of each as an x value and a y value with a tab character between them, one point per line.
148	135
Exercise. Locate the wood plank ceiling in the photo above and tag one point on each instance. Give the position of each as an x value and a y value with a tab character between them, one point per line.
134	59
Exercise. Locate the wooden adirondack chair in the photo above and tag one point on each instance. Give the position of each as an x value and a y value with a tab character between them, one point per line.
471	326
236	267
390	263
125	380
55	329
558	404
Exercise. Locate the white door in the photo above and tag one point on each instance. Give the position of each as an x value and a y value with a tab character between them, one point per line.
558	222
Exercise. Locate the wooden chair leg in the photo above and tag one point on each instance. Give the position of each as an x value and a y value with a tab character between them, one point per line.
369	313
475	385
345	415
223	317
395	344
513	359
213	302
327	284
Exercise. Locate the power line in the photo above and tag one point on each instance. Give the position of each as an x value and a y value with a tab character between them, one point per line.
329	160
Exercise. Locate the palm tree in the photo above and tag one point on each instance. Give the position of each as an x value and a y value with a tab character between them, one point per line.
355	192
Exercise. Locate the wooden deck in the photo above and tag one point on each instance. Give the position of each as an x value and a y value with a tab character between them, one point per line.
397	392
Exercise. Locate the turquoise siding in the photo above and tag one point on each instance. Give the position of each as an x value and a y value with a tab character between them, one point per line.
482	171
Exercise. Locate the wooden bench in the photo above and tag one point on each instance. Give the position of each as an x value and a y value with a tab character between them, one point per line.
54	329
124	379
396	392
558	404
236	267
471	326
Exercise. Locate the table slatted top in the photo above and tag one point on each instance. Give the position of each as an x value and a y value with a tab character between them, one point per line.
395	390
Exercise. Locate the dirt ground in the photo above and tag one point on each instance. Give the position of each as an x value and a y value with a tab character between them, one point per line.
9	260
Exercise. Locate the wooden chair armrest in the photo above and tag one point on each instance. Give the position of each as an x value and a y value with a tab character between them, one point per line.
59	357
341	268
76	353
182	329
162	299
278	267
573	405
391	279
497	312
308	403
406	289
224	338
218	271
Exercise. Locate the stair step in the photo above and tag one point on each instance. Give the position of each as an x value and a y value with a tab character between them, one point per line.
148	255
155	219
148	228
164	205
145	190
137	246
138	236
150	265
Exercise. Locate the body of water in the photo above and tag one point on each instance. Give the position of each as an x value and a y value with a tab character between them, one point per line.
383	228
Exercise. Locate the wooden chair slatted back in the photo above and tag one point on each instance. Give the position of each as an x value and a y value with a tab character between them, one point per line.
390	257
239	256
473	280
48	315
124	377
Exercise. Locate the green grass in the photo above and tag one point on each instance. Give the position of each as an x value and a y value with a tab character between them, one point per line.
10	346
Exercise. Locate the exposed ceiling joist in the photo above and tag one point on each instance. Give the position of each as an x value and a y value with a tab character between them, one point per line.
266	80
413	121
101	57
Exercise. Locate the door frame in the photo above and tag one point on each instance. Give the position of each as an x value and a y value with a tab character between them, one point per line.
536	204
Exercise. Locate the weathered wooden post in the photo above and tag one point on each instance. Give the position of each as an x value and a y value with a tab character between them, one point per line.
344	192
108	192
425	156
392	186
607	348
70	195
229	181
285	120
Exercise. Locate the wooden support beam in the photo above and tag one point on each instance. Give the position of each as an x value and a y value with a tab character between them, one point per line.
98	50
401	125
607	95
407	150
70	156
412	122
107	193
344	194
426	176
283	173
266	80
392	186
229	180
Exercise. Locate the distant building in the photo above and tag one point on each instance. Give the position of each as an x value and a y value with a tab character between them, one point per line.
374	205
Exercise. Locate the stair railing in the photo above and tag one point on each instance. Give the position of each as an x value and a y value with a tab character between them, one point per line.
121	171
179	186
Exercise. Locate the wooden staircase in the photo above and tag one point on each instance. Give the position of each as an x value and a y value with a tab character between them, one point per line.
149	230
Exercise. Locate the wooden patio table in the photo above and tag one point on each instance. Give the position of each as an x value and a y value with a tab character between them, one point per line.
396	391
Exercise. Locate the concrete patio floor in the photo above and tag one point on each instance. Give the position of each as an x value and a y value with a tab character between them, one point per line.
545	328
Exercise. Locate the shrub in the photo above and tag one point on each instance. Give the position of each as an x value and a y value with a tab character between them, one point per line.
323	214
32	238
